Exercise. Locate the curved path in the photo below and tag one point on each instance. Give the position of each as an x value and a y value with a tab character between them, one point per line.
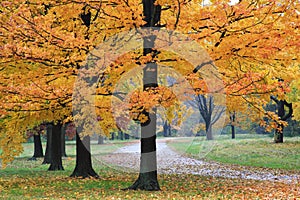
169	161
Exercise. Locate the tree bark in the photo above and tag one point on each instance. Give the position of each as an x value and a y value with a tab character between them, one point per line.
232	131
232	119
56	161
278	135
147	179
38	148
63	141
83	168
47	158
209	135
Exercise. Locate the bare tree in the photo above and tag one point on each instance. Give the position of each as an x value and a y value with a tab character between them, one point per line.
209	112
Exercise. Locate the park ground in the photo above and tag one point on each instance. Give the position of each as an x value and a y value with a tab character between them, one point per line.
248	153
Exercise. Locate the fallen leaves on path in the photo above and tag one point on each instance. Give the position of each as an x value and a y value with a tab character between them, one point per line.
170	162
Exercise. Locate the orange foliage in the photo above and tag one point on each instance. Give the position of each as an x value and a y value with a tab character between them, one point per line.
43	44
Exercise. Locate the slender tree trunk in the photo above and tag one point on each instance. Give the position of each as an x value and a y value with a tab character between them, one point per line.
47	158
100	139
63	141
112	136
232	117
83	166
167	129
56	161
232	132
38	148
209	135
120	135
278	135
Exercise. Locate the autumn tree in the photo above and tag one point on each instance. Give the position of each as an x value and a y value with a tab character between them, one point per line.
47	42
241	42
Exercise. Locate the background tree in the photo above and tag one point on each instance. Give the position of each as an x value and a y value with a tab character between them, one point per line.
38	148
240	39
209	111
48	157
232	117
281	104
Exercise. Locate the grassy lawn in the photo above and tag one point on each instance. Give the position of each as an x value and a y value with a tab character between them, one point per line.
247	150
96	150
25	179
35	182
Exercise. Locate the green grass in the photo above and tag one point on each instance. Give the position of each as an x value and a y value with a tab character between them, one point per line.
247	150
36	182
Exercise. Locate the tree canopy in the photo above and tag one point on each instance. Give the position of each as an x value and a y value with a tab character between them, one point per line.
254	44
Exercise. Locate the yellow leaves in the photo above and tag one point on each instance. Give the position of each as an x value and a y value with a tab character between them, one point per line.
253	45
146	59
197	83
275	123
109	187
141	101
12	135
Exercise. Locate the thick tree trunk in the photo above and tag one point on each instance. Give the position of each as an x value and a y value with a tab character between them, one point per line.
56	161
63	141
278	135
47	158
38	148
147	179
83	166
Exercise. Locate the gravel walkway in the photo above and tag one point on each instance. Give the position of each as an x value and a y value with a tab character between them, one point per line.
169	161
